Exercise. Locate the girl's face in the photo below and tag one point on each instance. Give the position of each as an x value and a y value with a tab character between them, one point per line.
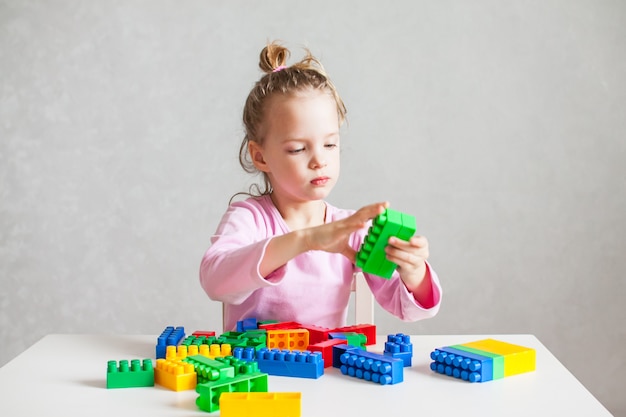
300	151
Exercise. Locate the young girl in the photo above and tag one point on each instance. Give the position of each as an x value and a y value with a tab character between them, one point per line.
286	254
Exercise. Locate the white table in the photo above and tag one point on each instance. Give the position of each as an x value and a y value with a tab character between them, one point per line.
65	375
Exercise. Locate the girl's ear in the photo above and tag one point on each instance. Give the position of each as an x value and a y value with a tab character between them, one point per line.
256	155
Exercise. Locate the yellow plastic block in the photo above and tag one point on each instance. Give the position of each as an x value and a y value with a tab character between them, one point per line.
517	359
260	404
175	375
293	339
177	352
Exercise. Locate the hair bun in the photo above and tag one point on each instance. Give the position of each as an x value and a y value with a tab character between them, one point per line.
273	56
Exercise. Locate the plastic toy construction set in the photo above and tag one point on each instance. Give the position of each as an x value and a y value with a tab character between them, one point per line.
230	372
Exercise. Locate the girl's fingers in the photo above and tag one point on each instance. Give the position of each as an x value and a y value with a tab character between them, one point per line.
415	242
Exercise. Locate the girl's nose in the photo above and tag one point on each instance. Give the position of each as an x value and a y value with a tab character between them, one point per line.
318	162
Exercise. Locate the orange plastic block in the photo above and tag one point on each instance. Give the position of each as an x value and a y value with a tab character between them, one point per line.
297	339
260	404
175	375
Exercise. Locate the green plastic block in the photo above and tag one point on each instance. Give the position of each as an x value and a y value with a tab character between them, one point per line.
240	366
371	257
138	374
497	360
209	369
209	399
199	340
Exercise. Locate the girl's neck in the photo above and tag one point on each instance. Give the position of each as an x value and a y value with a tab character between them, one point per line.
300	215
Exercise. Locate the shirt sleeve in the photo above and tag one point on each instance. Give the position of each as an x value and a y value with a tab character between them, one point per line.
393	296
229	271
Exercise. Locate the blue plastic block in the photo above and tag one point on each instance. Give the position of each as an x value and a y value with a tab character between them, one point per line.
294	363
169	337
244	353
399	346
247	324
463	365
369	366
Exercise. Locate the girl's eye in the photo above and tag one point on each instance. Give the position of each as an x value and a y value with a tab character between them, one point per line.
295	151
331	145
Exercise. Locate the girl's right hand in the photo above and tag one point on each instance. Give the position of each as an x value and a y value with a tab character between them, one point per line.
334	237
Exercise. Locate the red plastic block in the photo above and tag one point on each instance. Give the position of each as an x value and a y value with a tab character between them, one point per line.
369	330
205	333
285	325
326	347
316	334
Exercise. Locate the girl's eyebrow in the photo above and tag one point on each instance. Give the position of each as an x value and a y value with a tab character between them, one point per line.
299	139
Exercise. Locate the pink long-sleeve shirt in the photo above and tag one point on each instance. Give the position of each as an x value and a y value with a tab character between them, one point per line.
312	288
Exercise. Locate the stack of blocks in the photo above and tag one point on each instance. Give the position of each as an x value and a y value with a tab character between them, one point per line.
483	360
371	257
399	346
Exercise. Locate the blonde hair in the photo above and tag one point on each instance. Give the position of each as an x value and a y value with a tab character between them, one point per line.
279	78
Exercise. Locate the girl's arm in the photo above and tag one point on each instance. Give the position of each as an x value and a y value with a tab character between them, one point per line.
330	237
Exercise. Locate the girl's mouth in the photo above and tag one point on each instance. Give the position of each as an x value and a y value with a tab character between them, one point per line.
320	180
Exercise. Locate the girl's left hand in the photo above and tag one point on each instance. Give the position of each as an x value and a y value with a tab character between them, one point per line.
410	256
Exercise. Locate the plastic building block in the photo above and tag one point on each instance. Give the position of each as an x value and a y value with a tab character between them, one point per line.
169	337
251	338
297	339
371	257
352	338
369	330
210	369
283	325
240	366
247	324
205	333
316	333
497	364
399	346
292	363
517	359
369	366
461	364
326	348
195	339
211	391
245	354
138	374
175	375
260	404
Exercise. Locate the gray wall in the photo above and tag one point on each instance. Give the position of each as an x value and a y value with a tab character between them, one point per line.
499	125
